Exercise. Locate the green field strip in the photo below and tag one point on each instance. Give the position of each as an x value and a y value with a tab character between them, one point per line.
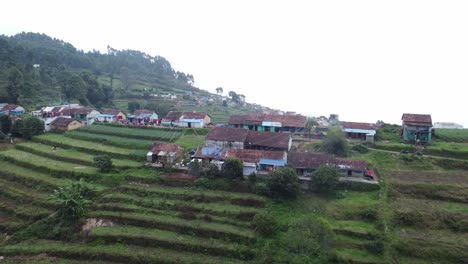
189	194
111	140
115	252
10	223
23	194
138	133
29	177
48	260
241	213
23	211
171	240
71	155
90	147
352	255
431	205
42	162
353	228
198	227
131	208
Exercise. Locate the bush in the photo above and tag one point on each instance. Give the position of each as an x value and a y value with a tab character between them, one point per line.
360	148
103	163
213	172
310	237
2	136
325	179
265	224
252	178
261	188
211	184
233	168
5	124
335	143
195	168
284	183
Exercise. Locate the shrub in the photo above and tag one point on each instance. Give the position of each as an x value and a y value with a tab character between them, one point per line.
195	168
310	237
261	188
213	172
2	136
103	163
5	124
265	224
361	148
233	168
252	178
284	183
325	179
335	143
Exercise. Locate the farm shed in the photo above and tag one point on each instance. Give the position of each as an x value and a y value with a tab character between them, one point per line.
165	153
355	130
65	124
416	128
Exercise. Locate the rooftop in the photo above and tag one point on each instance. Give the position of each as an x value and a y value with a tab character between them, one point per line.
258	119
253	156
62	121
417	119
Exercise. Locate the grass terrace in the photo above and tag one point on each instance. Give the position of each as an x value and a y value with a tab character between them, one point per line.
155	134
124	142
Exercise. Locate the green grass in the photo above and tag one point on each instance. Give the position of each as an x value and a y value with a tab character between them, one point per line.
431	205
221	209
72	155
143	236
358	256
452	135
87	146
48	163
189	142
218	113
155	134
111	140
31	177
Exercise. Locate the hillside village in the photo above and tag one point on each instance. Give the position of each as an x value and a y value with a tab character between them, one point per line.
141	166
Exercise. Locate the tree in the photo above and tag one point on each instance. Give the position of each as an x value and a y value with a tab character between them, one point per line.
265	224
31	127
284	183
103	163
5	124
14	85
72	200
234	96
213	172
219	90
17	128
310	124
325	178
335	143
126	77
161	108
233	168
73	86
133	106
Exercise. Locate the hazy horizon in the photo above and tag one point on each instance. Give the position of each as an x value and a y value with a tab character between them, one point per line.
365	60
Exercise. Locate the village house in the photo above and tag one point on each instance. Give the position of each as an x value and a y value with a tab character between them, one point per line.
111	116
186	119
306	163
85	115
143	117
362	131
65	124
239	138
416	128
270	122
163	153
257	161
11	109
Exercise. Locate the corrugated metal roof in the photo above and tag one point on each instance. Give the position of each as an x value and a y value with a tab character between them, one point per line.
272	162
362	131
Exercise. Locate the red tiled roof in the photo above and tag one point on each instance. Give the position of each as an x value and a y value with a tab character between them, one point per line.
417	119
268	140
111	112
356	125
306	160
228	134
157	147
257	119
9	107
62	121
173	115
254	156
74	111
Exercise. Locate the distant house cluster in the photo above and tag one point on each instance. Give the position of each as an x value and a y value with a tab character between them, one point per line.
186	119
11	109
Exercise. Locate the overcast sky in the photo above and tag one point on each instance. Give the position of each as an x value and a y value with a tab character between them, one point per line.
364	60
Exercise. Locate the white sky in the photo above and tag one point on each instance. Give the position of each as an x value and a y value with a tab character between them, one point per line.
364	60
